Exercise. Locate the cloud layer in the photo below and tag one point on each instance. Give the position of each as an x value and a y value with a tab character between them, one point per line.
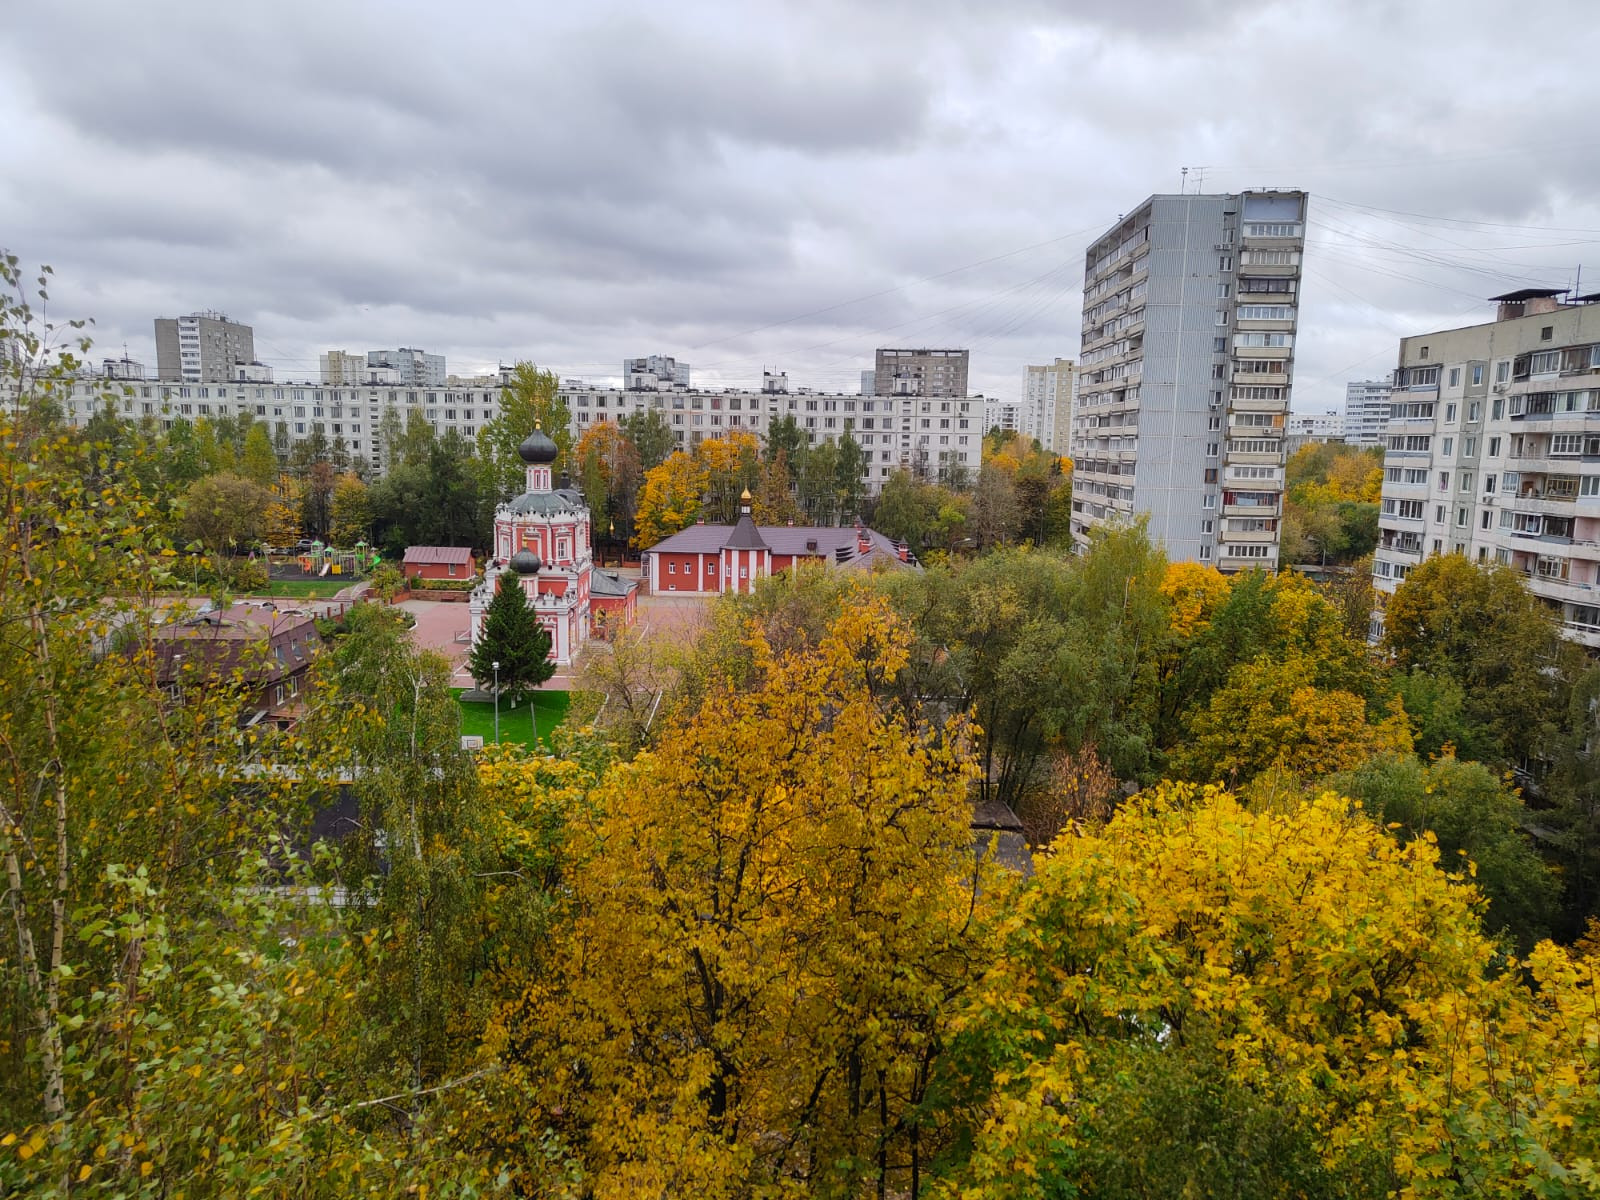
778	185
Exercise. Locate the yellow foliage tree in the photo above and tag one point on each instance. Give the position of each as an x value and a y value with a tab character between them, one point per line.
670	499
1271	715
731	464
1321	990
775	908
282	525
1195	592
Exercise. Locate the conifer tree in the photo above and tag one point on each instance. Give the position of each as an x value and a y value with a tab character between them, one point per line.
512	637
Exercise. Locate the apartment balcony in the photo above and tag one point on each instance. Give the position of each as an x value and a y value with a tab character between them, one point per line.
1547	505
1241	458
1250	510
1561	589
1266	406
1584	635
1252	536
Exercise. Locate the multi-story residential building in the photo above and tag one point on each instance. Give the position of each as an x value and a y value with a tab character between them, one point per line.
928	436
1492	450
204	347
653	373
1366	411
122	368
932	373
932	437
1189	318
1008	416
1047	403
1306	428
342	368
413	368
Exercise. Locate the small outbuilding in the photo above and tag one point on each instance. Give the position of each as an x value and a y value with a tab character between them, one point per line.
438	562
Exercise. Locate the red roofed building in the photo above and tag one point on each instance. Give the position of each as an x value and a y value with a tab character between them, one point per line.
707	560
438	562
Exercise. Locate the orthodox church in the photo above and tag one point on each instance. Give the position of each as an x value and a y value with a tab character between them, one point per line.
542	544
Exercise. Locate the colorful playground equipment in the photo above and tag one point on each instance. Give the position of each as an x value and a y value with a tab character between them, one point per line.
323	560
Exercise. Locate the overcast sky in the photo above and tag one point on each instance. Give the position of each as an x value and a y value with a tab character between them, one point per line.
776	184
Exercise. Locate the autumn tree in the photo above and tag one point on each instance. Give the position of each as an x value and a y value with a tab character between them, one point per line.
258	462
774	502
351	513
1319	990
670	499
609	474
224	512
730	466
776	907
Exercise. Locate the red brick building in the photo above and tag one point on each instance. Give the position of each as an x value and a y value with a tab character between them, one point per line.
272	652
438	562
707	560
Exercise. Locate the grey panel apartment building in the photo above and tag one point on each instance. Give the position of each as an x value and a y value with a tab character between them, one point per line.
933	373
1189	315
202	347
1492	450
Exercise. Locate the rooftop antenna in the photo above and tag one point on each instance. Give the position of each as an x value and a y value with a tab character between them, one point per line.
1199	179
1183	180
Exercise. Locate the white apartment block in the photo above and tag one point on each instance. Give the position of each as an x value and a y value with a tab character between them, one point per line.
1492	450
1047	403
925	435
1306	429
1366	411
1190	308
931	437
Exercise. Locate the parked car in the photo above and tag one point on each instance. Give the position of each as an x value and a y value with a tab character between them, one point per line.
303	546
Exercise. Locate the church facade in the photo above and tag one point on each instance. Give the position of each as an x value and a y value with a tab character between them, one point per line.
542	544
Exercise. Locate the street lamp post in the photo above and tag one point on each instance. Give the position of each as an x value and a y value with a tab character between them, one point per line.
496	666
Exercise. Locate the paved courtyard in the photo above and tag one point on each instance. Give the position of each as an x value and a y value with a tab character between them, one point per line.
442	626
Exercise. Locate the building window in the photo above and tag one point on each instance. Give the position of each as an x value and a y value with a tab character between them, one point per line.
1546	333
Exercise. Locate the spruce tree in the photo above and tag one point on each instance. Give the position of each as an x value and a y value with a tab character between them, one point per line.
513	637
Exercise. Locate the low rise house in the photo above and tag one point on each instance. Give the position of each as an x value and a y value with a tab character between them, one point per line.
707	560
268	652
438	562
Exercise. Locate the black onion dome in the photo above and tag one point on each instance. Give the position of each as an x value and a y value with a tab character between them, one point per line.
525	562
537	449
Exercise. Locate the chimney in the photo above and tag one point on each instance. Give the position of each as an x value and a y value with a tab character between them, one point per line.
903	550
863	539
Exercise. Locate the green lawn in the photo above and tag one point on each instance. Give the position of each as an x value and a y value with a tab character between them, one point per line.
307	589
550	708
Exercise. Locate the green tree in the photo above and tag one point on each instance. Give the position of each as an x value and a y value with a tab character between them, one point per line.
512	637
1478	626
850	474
450	495
786	437
651	437
996	513
905	509
529	397
224	512
1476	819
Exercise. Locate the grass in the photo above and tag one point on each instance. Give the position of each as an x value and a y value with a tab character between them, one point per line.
477	717
306	589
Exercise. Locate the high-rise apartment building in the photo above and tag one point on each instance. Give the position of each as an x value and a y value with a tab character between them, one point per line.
1046	412
204	347
1366	411
1492	450
1189	318
343	367
413	368
654	373
933	373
